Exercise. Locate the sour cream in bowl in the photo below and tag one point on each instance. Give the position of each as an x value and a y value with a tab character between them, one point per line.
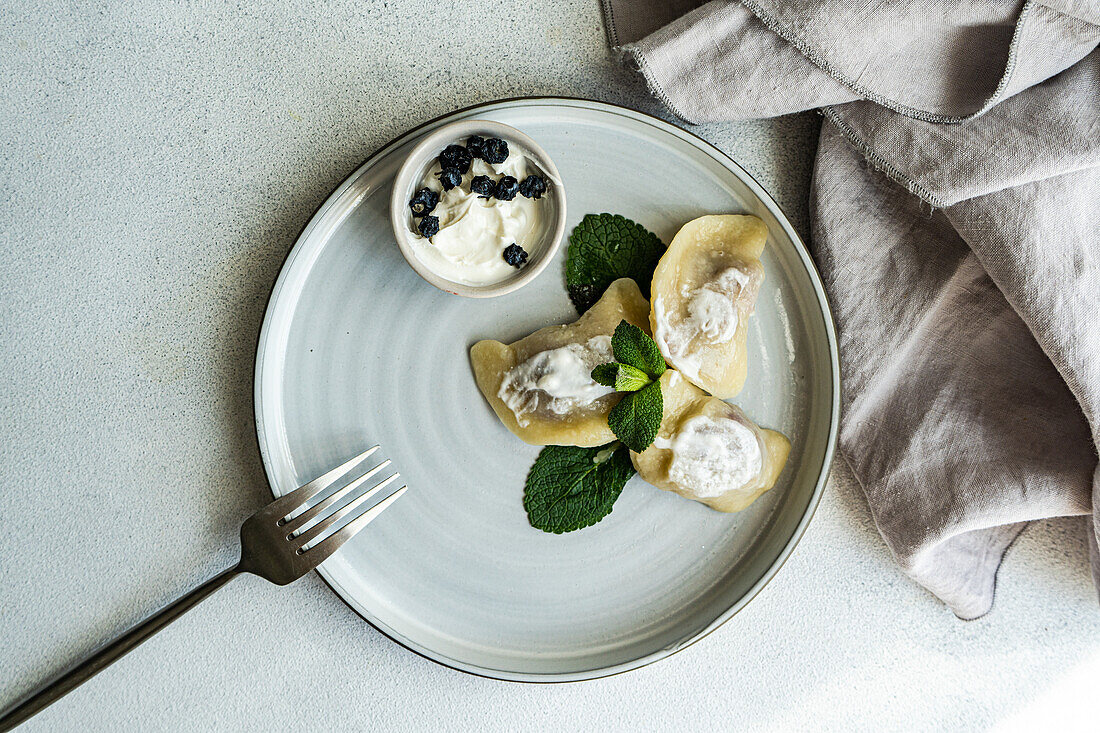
478	209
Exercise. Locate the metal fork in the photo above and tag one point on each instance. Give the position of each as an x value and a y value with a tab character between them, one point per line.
280	543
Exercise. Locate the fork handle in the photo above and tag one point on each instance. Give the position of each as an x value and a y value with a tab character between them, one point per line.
109	654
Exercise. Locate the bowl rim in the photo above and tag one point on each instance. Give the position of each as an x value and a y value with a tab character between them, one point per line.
829	324
408	177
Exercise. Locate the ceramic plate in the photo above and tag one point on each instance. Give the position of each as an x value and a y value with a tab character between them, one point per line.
356	349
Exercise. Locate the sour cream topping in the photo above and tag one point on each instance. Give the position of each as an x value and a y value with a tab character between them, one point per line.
713	456
712	315
556	380
474	231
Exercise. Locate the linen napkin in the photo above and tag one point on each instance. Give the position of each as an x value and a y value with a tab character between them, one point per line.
956	223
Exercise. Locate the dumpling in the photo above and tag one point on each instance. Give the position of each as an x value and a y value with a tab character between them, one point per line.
541	386
704	290
709	451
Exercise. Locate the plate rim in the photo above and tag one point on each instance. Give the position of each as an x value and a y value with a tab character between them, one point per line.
830	331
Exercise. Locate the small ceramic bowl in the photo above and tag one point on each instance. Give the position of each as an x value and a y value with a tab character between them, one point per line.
423	156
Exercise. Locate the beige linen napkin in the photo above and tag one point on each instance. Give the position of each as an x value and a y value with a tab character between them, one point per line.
956	222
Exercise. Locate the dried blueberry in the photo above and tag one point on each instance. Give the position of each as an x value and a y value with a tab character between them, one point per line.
483	186
506	188
449	178
494	150
423	202
455	157
533	187
514	255
474	144
428	226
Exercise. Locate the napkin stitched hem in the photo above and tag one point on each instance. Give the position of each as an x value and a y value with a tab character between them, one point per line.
879	162
655	88
609	23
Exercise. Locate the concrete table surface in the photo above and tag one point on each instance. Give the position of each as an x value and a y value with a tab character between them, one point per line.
158	161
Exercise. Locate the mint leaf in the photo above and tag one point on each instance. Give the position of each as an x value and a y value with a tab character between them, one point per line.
623	377
603	248
633	347
637	418
571	488
605	374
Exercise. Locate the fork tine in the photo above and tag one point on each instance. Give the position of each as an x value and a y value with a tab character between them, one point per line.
284	505
331	521
316	510
331	544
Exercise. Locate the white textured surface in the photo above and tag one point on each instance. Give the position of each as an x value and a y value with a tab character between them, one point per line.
158	160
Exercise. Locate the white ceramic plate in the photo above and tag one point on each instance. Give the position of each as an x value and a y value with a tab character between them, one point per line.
357	349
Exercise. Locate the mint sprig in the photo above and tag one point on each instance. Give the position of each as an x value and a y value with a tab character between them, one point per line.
603	248
636	419
570	488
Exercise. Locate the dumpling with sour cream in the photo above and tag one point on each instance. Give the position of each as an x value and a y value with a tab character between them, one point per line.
541	386
709	451
704	290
